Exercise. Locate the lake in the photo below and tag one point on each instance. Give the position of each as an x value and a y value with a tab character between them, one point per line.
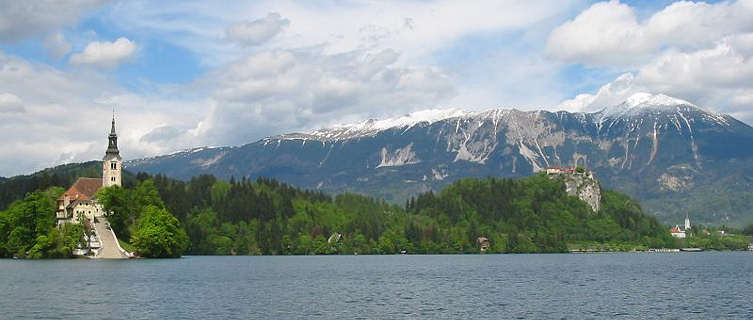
573	286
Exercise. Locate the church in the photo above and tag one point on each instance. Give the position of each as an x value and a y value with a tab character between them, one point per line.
78	203
681	233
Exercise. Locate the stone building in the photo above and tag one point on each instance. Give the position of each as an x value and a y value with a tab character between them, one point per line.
78	201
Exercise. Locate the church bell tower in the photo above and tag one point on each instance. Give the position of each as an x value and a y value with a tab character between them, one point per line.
687	222
112	163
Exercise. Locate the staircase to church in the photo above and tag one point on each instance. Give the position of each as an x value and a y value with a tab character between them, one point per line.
110	246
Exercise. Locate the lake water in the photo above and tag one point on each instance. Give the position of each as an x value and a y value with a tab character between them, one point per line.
708	285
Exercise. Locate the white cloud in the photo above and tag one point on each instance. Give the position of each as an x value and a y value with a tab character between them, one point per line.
695	51
11	103
55	117
609	33
276	91
609	94
718	78
58	114
56	45
105	54
337	27
728	65
256	32
21	19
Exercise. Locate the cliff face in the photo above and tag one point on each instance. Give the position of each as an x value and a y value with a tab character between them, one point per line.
583	185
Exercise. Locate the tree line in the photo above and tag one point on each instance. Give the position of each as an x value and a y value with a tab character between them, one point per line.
265	216
164	217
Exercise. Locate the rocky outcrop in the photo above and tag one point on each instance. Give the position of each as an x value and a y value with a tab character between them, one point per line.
400	157
581	184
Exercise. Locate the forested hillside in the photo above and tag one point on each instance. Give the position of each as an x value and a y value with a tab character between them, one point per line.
527	215
15	188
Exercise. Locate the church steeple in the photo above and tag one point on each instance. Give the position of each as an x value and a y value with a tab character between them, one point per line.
112	162
112	147
687	222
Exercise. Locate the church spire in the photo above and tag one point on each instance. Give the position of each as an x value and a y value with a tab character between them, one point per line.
112	131
112	147
687	221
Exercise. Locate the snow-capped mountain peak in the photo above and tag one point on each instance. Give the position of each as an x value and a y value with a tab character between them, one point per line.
643	99
638	104
641	102
373	126
411	119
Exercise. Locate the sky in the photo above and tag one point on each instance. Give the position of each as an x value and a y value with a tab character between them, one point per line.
183	74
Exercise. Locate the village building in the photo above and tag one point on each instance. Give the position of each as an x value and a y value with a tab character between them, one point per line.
677	232
483	243
78	202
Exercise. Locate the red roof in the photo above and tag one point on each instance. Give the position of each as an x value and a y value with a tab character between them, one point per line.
674	229
83	189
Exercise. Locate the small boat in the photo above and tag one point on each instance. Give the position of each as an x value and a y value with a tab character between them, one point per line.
691	249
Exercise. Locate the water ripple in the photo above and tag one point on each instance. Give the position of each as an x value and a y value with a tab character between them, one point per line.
706	285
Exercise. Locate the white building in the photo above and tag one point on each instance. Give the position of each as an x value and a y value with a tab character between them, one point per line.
681	233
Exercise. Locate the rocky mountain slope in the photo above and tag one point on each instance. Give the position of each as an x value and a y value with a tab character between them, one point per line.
672	155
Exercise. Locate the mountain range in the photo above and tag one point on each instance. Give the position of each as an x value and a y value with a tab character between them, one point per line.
675	157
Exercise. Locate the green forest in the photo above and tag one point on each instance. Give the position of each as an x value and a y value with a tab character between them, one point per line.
27	228
162	217
267	217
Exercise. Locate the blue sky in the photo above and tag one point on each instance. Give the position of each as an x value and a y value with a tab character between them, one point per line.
187	73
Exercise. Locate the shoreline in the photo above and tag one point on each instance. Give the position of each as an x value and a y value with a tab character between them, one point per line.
663	250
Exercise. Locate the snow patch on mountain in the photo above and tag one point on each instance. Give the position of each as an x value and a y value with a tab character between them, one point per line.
208	151
206	162
439	174
530	155
399	157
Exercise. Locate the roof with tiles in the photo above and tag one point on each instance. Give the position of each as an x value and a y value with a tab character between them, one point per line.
83	189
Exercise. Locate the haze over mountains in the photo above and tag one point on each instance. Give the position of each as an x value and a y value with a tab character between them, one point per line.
674	156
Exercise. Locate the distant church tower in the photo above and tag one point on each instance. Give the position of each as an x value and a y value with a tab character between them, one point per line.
687	222
112	163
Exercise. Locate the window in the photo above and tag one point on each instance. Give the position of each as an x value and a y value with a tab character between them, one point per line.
112	179
113	165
